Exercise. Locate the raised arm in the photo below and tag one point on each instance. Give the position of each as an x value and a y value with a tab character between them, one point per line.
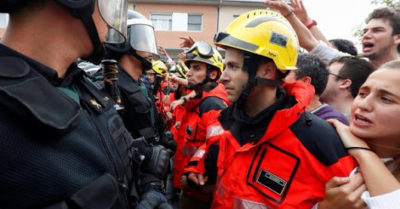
302	14
306	38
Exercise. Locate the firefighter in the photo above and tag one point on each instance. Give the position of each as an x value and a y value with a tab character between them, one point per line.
205	67
266	151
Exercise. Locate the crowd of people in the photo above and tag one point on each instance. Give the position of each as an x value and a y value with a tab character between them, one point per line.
93	114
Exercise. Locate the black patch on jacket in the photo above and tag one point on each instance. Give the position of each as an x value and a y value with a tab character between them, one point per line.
319	138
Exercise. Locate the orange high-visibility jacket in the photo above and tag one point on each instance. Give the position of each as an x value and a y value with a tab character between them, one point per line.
287	168
199	113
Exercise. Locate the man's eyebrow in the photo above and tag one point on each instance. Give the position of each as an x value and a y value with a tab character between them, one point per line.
373	28
231	62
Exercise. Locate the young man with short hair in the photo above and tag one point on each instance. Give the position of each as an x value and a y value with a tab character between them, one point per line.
346	75
312	70
266	151
381	36
205	67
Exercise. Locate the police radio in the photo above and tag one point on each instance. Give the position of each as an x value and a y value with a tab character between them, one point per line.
110	69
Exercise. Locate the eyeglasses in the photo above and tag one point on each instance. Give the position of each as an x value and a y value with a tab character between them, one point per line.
336	75
203	49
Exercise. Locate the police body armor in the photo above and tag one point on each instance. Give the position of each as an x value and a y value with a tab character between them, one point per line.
137	117
137	114
60	151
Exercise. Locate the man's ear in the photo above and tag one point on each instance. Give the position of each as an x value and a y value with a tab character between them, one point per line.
396	39
267	70
213	74
344	83
306	79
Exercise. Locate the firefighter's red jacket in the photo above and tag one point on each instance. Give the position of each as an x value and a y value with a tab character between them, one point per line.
287	168
199	113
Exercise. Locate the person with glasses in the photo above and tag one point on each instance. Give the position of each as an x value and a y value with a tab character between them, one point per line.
205	67
311	69
346	75
266	150
63	145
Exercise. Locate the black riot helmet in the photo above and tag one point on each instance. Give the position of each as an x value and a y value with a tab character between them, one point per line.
113	13
140	38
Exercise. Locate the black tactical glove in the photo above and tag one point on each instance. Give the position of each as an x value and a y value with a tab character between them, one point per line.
158	163
156	157
168	140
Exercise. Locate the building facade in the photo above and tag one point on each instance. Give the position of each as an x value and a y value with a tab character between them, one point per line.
199	19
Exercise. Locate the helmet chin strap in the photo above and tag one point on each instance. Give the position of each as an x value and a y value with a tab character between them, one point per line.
250	64
98	49
146	64
204	81
199	85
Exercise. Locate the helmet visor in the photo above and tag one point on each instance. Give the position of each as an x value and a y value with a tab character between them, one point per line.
114	14
141	38
203	48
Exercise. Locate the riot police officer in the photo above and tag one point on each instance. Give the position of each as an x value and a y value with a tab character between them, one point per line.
134	57
62	143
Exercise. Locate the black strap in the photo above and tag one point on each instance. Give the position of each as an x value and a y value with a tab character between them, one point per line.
268	82
98	48
100	194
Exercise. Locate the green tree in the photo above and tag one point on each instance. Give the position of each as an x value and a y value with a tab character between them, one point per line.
389	3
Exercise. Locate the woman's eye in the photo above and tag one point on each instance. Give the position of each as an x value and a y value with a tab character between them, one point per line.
362	94
386	99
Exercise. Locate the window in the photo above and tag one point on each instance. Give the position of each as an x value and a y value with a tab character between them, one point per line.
3	20
194	22
162	21
177	21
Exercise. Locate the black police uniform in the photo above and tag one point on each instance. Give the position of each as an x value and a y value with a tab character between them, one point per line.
137	119
137	114
62	144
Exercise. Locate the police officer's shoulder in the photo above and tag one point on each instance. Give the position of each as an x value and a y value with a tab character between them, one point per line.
211	103
13	67
59	114
126	83
319	137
